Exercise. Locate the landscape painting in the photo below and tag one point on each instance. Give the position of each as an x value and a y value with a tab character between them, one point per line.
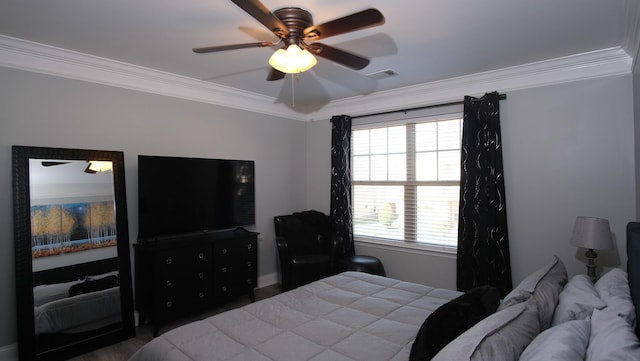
74	227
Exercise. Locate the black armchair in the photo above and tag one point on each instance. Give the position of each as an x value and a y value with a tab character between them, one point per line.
306	247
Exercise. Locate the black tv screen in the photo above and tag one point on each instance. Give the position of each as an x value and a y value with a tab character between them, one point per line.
187	195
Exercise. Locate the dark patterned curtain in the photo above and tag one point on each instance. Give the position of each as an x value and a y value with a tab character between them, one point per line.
483	242
341	180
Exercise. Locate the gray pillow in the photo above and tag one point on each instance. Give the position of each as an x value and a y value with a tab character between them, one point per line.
547	292
501	336
577	300
453	318
565	342
527	286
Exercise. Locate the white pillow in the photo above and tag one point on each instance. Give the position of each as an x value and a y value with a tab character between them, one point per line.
46	293
613	288
577	300
611	339
565	342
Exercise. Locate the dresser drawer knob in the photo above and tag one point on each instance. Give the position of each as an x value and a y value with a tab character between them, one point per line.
201	294
169	304
249	281
249	264
224	269
168	261
168	283
249	246
224	251
224	288
201	255
201	275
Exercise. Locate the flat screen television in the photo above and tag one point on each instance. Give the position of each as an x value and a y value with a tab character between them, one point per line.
189	195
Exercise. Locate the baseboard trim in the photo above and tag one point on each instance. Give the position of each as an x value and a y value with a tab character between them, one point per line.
9	352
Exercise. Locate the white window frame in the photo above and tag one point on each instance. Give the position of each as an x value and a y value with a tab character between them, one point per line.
389	120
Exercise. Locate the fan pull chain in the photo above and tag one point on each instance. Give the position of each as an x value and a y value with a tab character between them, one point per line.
293	92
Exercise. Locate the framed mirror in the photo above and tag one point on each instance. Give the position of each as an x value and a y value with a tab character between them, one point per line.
73	271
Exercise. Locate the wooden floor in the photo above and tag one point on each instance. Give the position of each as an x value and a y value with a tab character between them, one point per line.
123	350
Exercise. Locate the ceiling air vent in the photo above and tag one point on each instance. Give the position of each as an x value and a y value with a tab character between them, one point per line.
382	74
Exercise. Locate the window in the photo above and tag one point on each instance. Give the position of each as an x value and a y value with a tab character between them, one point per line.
406	180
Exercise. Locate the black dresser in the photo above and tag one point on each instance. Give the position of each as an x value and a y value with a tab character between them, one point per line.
181	275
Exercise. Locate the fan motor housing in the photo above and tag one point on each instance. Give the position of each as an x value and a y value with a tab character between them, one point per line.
296	20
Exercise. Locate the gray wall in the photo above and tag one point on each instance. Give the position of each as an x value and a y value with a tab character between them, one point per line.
568	151
41	110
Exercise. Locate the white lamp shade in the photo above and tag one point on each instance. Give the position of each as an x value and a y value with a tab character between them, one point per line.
591	233
293	60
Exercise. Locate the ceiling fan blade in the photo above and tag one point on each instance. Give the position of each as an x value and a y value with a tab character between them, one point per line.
345	58
212	49
275	74
46	163
260	12
88	170
356	21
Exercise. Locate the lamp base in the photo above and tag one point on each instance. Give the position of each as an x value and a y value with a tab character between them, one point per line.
591	265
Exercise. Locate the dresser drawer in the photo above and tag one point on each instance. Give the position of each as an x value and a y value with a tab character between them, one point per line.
182	270
180	259
171	305
235	250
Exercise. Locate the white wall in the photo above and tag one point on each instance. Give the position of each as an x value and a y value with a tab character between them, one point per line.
41	110
568	151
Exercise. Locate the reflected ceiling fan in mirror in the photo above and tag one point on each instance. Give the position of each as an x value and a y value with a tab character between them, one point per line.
93	166
298	35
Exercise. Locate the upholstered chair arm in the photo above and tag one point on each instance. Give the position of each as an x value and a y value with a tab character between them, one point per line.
283	249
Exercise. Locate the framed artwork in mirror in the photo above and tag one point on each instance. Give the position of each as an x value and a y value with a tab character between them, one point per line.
73	271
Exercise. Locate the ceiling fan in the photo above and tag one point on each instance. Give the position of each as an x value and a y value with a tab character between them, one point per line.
295	29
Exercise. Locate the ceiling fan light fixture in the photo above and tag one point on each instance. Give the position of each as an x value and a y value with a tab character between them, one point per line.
293	60
99	166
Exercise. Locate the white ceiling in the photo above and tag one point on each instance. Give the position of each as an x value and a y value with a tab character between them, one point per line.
423	41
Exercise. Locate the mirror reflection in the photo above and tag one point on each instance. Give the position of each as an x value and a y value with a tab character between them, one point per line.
72	213
73	247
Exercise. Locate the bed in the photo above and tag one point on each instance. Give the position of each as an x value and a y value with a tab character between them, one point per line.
76	301
79	313
358	316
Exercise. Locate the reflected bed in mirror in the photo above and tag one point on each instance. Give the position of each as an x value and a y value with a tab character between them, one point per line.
72	251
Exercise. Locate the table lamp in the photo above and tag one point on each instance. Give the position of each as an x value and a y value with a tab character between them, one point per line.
591	233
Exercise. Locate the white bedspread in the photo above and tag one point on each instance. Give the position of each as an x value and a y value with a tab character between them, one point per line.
350	316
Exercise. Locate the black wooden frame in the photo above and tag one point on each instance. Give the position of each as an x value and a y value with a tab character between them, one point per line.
23	260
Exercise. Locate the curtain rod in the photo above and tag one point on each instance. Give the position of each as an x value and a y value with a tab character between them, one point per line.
500	96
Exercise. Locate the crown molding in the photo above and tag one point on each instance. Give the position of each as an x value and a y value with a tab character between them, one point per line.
40	58
45	59
599	63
